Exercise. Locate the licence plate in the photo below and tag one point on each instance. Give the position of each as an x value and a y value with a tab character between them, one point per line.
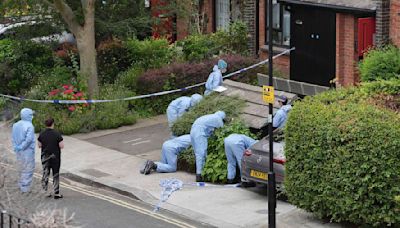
259	175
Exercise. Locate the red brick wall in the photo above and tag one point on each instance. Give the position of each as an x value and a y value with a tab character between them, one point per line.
346	54
261	24
282	64
208	9
395	22
182	27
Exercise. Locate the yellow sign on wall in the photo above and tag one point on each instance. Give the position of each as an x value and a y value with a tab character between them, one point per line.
268	94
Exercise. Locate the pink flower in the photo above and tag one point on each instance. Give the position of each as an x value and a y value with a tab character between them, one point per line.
65	86
78	94
68	91
54	92
71	108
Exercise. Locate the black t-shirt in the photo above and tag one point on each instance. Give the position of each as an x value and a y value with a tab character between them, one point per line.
50	139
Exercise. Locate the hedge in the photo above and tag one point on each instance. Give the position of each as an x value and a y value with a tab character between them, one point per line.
343	157
382	63
179	75
21	62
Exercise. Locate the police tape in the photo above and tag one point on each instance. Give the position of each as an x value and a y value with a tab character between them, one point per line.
146	95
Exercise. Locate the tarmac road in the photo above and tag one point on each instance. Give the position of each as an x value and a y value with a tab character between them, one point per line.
96	207
135	142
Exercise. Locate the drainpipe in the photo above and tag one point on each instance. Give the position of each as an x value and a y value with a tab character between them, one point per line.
382	22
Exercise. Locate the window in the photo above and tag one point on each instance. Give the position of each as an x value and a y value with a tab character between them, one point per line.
222	14
280	25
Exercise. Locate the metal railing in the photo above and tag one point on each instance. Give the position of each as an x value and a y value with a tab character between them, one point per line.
9	220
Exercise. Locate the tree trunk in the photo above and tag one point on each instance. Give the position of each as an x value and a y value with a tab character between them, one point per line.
85	38
86	47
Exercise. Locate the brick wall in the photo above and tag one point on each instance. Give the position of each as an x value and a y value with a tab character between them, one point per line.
395	22
346	54
208	7
382	21
261	24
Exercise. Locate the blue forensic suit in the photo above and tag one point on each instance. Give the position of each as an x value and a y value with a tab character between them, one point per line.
170	151
23	141
203	128
281	116
181	105
235	145
214	80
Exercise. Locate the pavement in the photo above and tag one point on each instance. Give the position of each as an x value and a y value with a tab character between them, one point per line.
115	162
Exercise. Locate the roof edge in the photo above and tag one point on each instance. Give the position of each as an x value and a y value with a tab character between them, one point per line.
329	6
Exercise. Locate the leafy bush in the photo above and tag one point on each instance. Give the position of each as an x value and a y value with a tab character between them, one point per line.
180	75
129	78
59	75
199	47
20	64
232	106
112	58
383	63
99	116
233	41
343	157
149	53
215	169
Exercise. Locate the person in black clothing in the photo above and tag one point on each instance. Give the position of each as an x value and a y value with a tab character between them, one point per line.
51	143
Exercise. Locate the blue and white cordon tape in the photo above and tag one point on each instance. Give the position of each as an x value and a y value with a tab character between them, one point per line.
142	96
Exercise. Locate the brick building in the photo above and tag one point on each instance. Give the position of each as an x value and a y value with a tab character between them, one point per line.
330	36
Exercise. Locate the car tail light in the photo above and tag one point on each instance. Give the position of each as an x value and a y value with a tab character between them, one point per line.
247	152
281	161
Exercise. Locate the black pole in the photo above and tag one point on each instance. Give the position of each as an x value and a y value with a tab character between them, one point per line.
271	173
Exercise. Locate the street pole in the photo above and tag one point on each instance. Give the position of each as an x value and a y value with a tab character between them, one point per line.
271	173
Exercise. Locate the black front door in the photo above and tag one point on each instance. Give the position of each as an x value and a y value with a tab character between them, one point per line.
313	34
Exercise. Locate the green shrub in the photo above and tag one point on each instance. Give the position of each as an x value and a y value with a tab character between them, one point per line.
112	58
199	47
21	62
215	169
53	79
149	53
129	78
97	116
381	63
232	106
343	158
113	114
233	41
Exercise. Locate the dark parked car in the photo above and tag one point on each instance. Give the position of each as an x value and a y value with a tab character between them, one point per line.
255	162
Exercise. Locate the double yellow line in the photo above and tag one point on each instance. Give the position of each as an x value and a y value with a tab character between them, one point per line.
119	203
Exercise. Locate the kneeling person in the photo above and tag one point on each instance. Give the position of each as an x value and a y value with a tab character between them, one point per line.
235	145
169	156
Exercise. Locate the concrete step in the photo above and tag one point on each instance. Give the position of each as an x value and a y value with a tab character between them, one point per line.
256	112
